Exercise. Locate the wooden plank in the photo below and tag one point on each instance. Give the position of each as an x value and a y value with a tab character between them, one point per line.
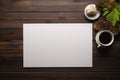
43	5
100	64
11	34
11	52
11	48
60	76
42	17
11	25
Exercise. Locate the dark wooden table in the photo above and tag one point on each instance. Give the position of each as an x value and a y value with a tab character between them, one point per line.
13	13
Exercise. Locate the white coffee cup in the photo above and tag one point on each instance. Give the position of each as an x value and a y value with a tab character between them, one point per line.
104	38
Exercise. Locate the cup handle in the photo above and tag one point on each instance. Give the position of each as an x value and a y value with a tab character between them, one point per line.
98	46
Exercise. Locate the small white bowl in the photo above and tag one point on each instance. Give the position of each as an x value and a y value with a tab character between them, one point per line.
91	18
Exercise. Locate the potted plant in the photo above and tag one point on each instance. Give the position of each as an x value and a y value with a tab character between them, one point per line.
110	12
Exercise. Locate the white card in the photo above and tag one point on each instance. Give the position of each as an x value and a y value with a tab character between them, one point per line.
57	45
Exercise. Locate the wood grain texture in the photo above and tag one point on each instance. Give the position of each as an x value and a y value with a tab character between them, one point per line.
43	5
43	17
61	76
13	13
11	34
100	64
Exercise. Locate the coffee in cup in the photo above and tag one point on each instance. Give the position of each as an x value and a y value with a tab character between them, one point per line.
104	38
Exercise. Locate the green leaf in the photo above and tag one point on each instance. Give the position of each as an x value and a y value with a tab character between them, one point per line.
118	6
109	16
105	9
116	14
106	12
113	16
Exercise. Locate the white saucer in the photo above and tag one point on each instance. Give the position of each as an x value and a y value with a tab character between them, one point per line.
91	18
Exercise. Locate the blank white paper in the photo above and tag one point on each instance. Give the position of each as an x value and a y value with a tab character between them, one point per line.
57	45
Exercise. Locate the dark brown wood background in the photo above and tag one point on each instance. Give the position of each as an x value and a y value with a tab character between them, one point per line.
13	13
